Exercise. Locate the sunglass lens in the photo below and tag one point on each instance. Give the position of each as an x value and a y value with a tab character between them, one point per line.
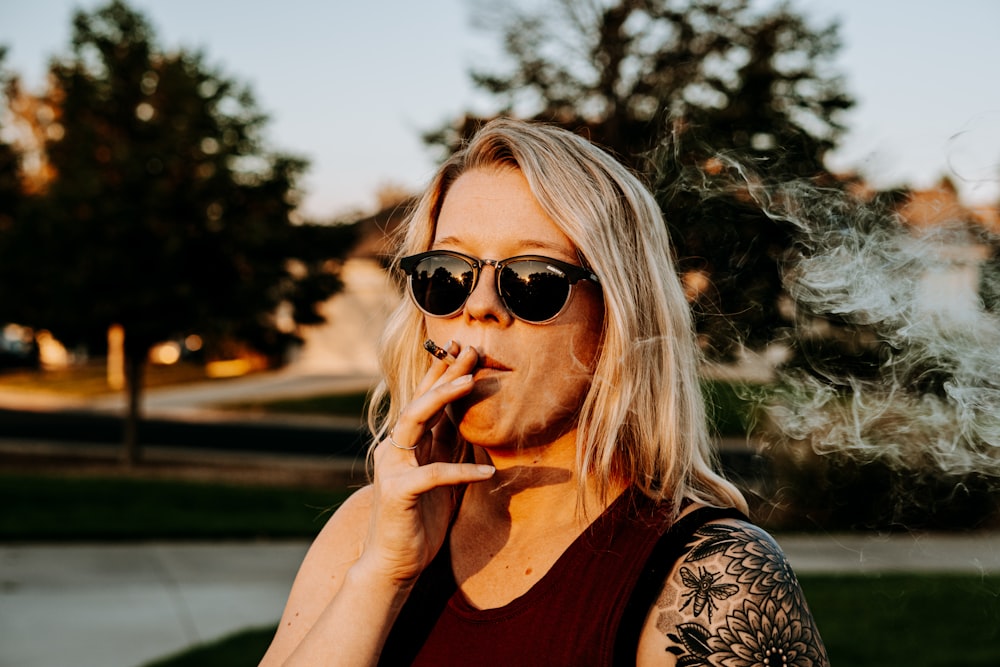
533	291
440	285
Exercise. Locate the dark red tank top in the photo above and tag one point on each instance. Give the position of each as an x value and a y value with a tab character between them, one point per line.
588	609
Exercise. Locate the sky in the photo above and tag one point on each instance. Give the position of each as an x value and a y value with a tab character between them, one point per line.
351	84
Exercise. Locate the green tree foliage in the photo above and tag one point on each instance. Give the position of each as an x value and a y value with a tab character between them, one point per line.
167	214
667	85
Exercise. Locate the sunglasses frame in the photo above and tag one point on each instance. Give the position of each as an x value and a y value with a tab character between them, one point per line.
572	273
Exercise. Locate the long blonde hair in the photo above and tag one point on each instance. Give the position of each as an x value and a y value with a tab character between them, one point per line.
643	420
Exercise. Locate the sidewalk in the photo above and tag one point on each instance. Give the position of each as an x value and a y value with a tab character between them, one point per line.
124	605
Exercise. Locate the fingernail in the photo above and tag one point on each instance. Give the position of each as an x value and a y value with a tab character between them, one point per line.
462	380
486	470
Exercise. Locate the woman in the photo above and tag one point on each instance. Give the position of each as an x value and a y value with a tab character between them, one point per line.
542	490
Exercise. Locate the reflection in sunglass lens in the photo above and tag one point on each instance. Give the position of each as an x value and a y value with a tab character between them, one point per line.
441	284
533	290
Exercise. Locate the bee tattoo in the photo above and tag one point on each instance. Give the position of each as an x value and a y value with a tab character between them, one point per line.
704	591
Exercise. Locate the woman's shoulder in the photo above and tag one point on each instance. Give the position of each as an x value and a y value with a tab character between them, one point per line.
731	593
337	546
348	522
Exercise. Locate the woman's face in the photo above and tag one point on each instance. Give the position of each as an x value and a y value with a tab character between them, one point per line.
531	378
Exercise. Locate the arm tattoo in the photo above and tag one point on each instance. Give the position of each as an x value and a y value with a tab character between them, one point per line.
738	604
703	588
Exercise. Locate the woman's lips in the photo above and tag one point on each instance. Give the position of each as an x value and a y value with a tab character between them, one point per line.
487	362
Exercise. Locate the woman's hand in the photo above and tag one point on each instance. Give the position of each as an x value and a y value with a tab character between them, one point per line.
414	489
356	578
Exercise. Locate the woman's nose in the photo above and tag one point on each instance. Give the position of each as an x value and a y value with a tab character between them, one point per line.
484	303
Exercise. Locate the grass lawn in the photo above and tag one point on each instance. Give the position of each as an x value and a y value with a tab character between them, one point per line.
56	508
911	620
340	405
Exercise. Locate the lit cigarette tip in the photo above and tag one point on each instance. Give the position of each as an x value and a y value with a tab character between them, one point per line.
438	351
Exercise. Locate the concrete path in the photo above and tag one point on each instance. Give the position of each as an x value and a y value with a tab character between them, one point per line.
125	605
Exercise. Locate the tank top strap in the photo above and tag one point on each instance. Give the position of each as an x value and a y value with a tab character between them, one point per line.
668	549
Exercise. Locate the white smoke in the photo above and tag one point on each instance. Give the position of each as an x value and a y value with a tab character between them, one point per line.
935	398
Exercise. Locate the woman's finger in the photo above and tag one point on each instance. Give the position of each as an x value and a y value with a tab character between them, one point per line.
441	371
420	480
417	419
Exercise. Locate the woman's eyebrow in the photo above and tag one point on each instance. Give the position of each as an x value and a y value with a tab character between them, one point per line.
525	245
447	240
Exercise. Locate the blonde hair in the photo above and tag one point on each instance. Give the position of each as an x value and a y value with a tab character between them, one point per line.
643	420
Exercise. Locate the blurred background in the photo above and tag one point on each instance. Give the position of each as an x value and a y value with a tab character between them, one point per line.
196	208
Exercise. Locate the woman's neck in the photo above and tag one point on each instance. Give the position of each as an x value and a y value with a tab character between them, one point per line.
536	488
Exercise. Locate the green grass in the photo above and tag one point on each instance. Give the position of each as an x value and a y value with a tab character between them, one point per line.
912	620
38	507
340	405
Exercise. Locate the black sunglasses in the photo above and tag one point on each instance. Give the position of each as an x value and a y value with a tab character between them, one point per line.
533	288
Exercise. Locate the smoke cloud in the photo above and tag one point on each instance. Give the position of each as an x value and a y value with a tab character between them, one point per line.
934	396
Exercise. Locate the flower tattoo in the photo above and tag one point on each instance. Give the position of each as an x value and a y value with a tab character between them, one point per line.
764	635
738	604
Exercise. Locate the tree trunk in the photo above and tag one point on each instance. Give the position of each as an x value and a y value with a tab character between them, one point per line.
134	370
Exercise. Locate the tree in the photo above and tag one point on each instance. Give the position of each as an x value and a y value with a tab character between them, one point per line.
667	85
13	205
10	159
166	213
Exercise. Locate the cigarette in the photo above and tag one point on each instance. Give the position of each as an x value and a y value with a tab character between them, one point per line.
438	352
